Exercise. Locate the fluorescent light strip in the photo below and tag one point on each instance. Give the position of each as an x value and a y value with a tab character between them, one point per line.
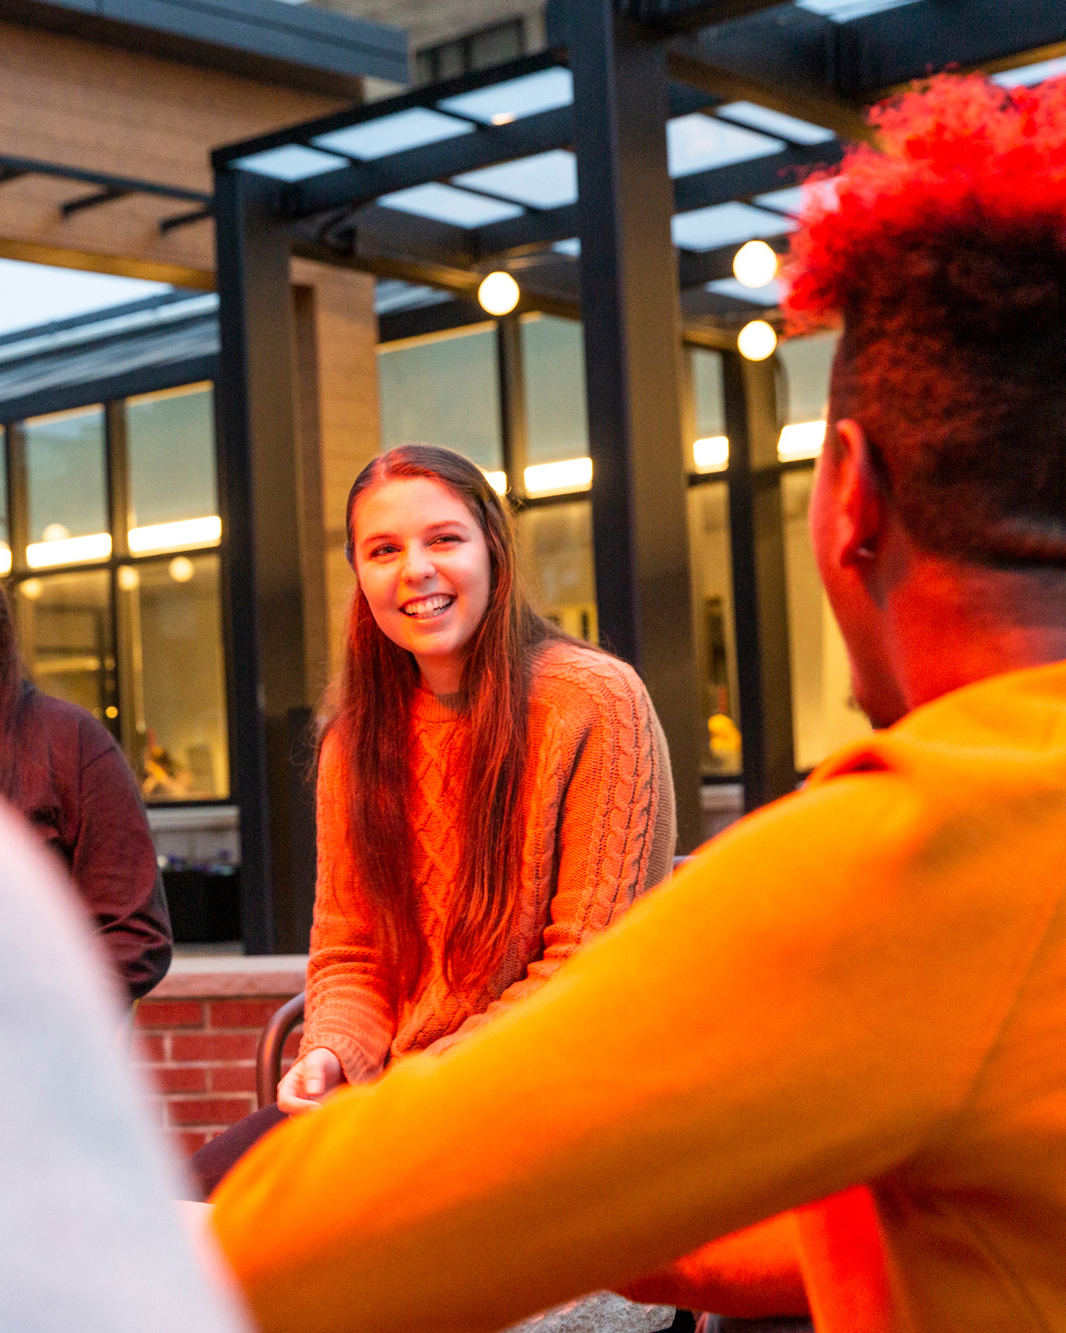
570	474
711	454
803	440
69	551
5	559
176	536
497	480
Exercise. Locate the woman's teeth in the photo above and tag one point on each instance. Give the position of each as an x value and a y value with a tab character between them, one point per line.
427	607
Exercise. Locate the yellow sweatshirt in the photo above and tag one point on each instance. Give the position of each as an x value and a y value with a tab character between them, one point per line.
865	982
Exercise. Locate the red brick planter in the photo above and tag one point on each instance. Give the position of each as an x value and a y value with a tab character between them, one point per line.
196	1040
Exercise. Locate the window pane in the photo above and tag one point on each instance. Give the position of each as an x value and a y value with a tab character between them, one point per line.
171	442
555	550
808	362
180	695
824	714
553	364
65	629
712	580
443	391
707	450
65	475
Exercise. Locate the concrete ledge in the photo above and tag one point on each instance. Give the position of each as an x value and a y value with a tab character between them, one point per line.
209	976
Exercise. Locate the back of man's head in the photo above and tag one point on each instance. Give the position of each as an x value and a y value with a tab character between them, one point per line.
944	251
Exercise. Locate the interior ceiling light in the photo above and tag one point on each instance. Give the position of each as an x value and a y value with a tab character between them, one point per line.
31	588
755	264
711	454
498	293
173	536
5	559
802	440
498	481
72	551
128	578
181	569
569	474
757	340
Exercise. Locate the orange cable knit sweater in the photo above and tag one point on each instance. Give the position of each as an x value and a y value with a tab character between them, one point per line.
600	831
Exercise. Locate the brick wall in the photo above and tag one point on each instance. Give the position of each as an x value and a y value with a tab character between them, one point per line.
196	1040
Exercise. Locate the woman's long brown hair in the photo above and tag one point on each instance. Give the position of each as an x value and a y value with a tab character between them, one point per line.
373	728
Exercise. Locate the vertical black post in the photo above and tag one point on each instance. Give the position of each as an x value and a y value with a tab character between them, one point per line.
18	517
630	307
263	598
760	596
512	403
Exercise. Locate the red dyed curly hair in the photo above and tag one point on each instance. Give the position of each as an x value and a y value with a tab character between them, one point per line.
943	251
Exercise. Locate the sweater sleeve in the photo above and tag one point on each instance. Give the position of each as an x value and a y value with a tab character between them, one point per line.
616	831
347	1007
113	863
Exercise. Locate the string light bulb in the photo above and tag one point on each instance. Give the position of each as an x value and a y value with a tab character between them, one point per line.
755	264
498	293
757	340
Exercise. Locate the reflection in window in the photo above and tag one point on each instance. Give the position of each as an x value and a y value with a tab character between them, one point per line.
555	551
808	363
710	447
66	637
824	714
553	365
712	579
5	530
443	391
179	689
65	481
170	438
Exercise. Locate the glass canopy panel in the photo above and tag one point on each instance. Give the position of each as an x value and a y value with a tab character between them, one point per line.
783	201
515	98
546	180
1027	75
393	134
293	162
442	203
841	11
769	295
725	224
699	143
775	122
390	294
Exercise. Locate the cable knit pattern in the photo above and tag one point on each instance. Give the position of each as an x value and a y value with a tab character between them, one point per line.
600	832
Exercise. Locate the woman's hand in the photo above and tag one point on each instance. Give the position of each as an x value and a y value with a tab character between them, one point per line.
308	1081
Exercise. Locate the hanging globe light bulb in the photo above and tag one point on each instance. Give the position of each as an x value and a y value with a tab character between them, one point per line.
755	264
757	340
498	293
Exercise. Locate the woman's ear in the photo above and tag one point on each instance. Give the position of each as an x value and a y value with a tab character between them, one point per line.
862	506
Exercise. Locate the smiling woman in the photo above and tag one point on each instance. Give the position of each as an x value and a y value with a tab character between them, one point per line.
492	793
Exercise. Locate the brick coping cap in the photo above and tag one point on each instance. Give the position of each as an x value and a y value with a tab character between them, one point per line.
208	975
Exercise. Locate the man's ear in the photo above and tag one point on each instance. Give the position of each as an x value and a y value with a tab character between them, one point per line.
862	502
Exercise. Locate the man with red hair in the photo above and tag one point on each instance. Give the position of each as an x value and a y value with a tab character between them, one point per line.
848	1014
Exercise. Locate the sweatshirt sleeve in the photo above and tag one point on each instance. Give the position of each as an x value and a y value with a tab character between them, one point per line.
753	1274
113	863
347	1007
800	1009
617	827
